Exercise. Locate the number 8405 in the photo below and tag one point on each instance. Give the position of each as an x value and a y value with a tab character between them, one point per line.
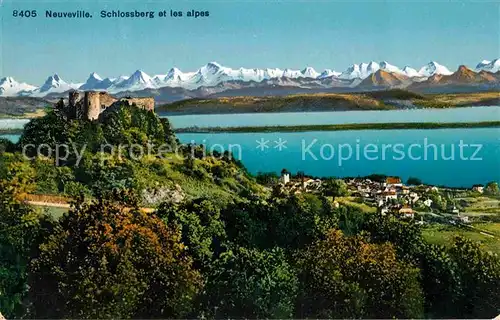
24	13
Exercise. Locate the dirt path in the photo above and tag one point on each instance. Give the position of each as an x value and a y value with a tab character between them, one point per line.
67	206
48	204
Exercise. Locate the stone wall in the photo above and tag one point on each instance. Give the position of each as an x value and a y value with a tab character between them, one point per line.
143	103
106	100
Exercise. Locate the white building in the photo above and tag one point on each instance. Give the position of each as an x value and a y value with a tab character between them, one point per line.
428	202
285	177
478	188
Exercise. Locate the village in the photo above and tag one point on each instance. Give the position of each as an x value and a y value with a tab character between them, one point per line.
389	195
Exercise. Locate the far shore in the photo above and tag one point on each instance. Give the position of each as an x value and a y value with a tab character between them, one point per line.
11	131
343	127
325	127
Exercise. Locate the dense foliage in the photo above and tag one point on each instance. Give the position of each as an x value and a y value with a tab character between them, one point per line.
21	231
196	236
108	261
346	277
251	283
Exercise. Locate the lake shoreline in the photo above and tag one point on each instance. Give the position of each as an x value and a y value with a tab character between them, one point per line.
323	127
11	131
236	111
343	127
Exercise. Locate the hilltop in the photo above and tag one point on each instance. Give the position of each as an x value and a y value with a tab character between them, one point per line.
375	100
384	79
291	103
105	158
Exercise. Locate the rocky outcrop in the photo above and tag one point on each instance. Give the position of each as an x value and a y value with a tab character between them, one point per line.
173	194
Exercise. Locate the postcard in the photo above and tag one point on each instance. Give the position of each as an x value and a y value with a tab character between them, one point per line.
249	159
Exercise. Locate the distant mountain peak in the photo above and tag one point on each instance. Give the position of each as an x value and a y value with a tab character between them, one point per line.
94	75
410	72
95	82
386	66
213	65
464	68
490	66
7	80
433	68
53	80
309	72
386	79
173	73
10	87
138	72
328	73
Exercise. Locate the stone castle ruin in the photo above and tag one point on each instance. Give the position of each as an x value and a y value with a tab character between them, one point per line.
89	105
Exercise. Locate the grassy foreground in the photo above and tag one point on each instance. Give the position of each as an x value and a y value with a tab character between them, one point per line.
343	127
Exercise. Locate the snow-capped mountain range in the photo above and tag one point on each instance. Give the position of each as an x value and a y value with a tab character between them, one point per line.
10	87
214	74
490	66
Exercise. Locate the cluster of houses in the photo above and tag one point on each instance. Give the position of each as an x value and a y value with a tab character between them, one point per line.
391	196
299	185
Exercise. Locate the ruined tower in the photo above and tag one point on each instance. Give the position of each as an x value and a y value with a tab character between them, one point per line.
91	105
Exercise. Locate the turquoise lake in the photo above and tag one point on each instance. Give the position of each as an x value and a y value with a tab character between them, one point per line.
435	156
467	114
311	152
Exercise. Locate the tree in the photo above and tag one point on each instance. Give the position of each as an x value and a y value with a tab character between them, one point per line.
51	130
248	283
7	146
21	230
105	260
492	189
105	173
124	124
334	188
406	236
441	283
438	202
267	178
346	277
479	273
351	219
202	229
289	222
412	181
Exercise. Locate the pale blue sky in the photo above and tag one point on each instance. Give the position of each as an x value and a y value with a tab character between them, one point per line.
270	33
